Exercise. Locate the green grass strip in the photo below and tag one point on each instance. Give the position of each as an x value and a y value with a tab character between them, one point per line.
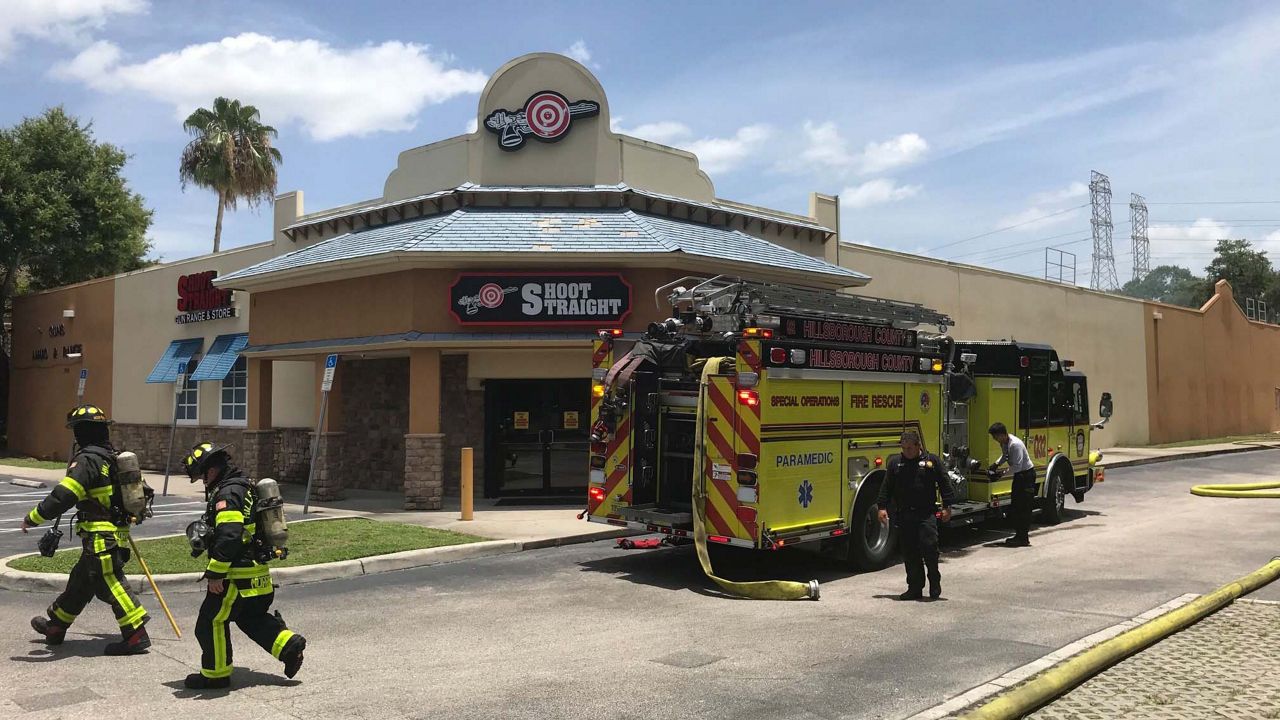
310	543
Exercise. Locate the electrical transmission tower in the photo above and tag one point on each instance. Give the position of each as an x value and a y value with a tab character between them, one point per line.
1141	245
1104	256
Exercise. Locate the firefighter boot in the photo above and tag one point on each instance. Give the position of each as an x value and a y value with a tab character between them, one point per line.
53	631
134	642
292	655
196	681
911	595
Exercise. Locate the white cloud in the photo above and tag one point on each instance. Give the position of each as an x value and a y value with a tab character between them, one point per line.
896	152
332	92
1207	230
828	148
877	192
64	21
580	52
472	125
1046	209
724	154
715	154
1071	192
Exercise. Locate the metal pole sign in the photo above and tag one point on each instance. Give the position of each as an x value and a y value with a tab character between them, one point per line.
326	384
84	375
179	384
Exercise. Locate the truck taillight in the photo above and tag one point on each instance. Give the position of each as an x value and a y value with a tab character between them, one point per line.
597	390
747	477
879	462
755	332
718	539
750	398
599	448
597	462
747	461
610	333
596	493
937	366
1024	361
778	356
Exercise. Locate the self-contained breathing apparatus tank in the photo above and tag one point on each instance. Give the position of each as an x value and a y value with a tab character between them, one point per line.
273	530
135	496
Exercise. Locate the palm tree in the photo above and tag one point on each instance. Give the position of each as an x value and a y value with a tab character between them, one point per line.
231	155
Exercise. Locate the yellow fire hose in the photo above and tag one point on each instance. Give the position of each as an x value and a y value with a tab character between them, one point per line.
758	590
147	571
1245	490
1057	680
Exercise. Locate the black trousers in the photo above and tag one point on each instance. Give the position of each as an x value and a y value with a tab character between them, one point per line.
1024	498
100	573
918	540
250	614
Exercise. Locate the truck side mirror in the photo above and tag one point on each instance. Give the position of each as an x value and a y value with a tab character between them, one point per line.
1104	407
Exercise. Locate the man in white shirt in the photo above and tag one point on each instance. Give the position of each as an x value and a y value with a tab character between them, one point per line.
1024	483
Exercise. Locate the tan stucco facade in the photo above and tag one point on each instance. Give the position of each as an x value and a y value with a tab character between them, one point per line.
1211	371
43	380
1100	332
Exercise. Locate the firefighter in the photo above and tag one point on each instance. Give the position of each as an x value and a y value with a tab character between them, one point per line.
912	487
239	586
91	489
1024	483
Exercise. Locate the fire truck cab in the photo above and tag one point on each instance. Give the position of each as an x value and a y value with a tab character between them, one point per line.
781	405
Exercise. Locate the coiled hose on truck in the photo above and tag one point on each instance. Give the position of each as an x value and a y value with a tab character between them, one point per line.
757	590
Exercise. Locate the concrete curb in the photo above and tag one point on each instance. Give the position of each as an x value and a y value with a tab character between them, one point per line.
1184	456
972	697
24	581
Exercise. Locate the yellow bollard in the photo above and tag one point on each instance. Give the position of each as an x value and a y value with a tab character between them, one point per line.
466	489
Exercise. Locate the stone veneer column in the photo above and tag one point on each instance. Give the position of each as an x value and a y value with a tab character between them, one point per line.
328	481
257	454
423	471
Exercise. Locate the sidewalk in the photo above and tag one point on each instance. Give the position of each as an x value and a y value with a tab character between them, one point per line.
533	526
1119	457
1226	666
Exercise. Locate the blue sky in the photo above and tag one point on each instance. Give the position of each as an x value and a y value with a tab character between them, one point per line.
934	122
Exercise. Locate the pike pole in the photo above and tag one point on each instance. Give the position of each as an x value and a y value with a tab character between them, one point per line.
147	571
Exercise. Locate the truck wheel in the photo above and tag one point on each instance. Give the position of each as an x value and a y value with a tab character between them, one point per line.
871	544
1055	500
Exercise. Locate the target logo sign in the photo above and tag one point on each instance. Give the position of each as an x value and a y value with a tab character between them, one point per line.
546	116
490	295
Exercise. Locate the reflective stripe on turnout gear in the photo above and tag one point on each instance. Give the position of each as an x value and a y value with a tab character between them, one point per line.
281	640
61	615
221	662
34	517
227	516
74	486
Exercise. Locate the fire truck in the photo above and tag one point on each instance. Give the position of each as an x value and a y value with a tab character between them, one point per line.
795	399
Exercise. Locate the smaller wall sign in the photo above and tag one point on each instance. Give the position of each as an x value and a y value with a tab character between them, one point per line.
199	300
521	420
546	117
571	420
540	299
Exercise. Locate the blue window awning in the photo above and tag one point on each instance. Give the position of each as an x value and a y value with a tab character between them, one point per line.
222	356
178	352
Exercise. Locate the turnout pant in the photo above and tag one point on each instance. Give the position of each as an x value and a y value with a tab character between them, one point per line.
1024	497
243	605
100	573
918	540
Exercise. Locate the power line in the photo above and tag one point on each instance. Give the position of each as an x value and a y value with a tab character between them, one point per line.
1009	227
988	251
1215	202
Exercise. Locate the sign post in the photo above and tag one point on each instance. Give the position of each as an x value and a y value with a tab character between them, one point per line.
179	383
84	375
326	384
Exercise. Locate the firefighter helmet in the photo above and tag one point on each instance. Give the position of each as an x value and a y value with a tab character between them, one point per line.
87	414
201	457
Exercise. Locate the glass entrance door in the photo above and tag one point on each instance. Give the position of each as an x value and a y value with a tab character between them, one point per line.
537	437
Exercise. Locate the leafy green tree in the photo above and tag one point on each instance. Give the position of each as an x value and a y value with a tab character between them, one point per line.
66	213
1169	284
1249	271
231	155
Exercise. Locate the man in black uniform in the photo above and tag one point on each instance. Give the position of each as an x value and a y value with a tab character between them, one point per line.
90	488
911	487
240	588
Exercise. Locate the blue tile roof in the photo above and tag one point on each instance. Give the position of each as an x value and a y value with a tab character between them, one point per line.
177	354
222	356
537	230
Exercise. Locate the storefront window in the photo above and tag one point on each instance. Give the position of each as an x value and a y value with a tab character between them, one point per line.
188	405
235	394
